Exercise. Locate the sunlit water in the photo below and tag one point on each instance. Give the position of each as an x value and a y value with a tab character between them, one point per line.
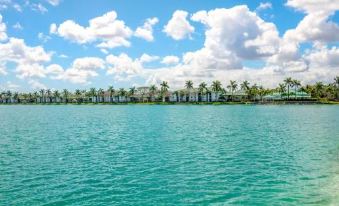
169	155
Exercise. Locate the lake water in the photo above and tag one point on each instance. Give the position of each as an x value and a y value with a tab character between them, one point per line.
169	155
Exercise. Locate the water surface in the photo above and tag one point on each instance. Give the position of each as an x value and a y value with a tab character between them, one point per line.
169	155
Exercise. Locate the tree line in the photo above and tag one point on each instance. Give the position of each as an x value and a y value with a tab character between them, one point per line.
287	89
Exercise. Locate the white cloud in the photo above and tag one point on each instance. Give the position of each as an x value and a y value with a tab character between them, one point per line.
35	84
323	57
232	35
29	60
39	7
74	32
26	71
80	72
54	2
146	31
326	6
54	69
17	7
107	30
124	68
3	69
145	58
123	65
44	38
263	6
17	26
53	28
178	27
15	50
5	4
170	60
314	27
9	86
63	56
3	35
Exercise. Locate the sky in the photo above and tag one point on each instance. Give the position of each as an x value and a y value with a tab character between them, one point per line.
78	44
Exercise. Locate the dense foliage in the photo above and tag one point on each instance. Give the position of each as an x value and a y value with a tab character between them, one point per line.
288	89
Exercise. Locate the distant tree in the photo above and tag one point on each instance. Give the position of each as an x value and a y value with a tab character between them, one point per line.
93	93
152	90
56	95
232	87
289	83
164	89
65	95
281	89
111	92
216	88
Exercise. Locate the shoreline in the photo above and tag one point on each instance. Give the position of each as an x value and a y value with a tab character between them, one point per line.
189	103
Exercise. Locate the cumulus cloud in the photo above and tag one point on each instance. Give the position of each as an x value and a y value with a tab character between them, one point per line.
26	71
314	27
29	60
146	30
168	60
263	6
35	84
53	28
107	30
3	35
323	57
16	50
307	6
237	34
80	72
9	85
178	26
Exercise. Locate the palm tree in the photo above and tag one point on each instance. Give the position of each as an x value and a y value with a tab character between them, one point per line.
122	92
245	86
111	92
30	97
2	97
78	95
36	96
232	87
261	92
254	90
16	97
152	90
101	94
93	93
65	94
202	88
131	92
164	90
296	85
49	95
281	89
189	87
56	96
289	83
318	89
336	83
216	88
42	96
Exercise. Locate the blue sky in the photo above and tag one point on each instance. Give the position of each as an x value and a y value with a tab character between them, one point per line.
31	21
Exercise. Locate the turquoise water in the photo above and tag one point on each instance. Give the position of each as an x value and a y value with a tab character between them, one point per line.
169	155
